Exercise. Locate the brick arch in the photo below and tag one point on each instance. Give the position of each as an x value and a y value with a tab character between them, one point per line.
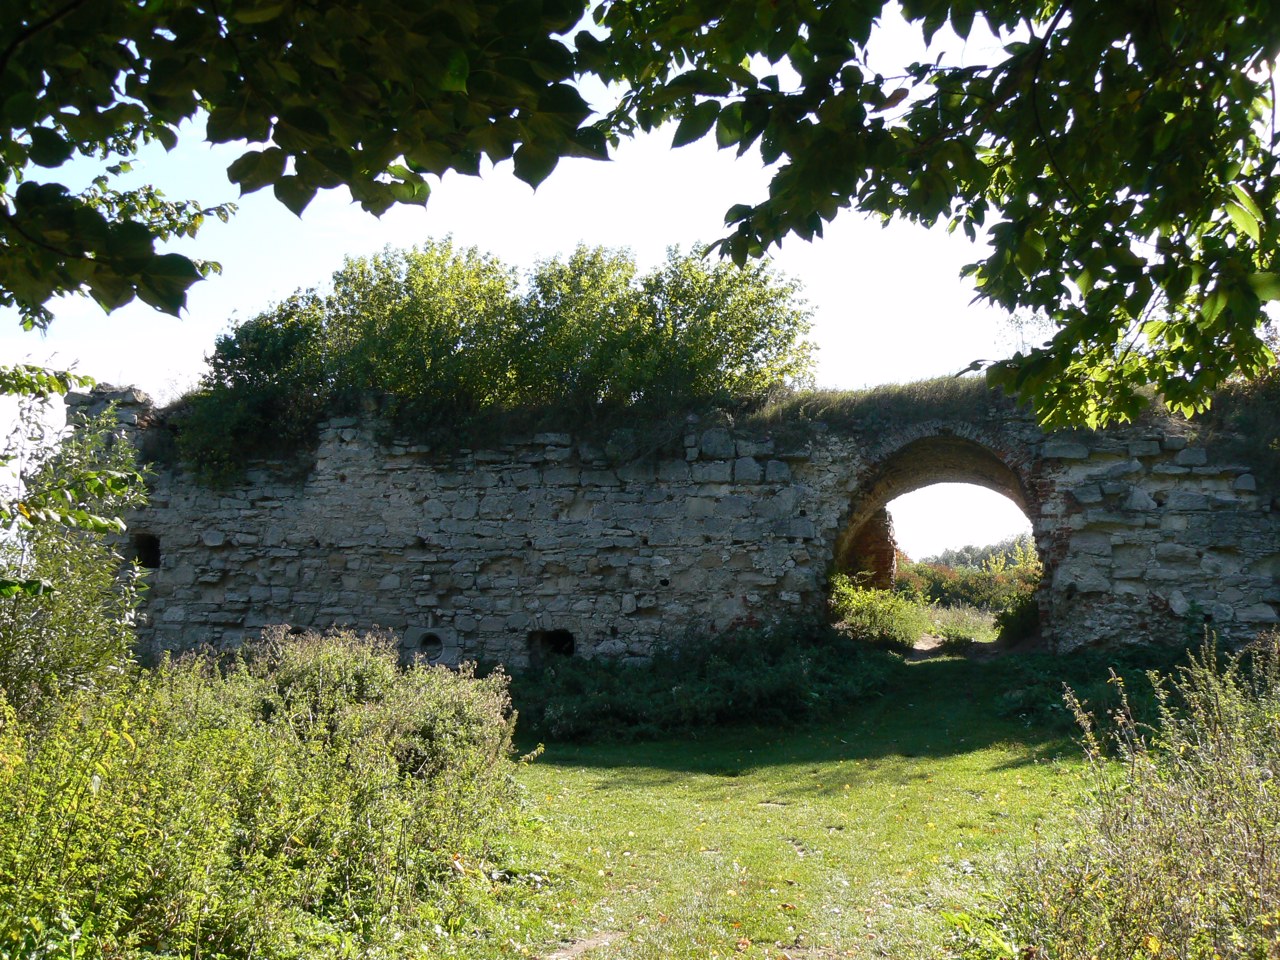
922	460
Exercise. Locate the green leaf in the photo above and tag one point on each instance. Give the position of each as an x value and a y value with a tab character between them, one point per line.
1245	221
258	14
534	164
257	169
294	193
27	588
696	122
48	148
1265	285
729	125
1247	201
456	72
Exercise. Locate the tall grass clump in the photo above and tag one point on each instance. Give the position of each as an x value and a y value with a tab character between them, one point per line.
308	799
1173	853
748	674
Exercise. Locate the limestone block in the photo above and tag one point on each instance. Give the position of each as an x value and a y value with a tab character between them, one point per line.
1186	500
1087	493
1064	450
673	471
553	439
1257	613
747	470
1191	457
714	471
213	538
754	448
1144	448
1093	544
777	471
1245	483
1172	442
718	444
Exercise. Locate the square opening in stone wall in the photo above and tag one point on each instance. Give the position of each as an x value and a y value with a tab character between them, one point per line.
548	645
429	645
146	550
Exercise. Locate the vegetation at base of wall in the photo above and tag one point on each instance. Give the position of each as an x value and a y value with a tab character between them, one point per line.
74	630
448	339
310	798
747	674
1170	853
879	617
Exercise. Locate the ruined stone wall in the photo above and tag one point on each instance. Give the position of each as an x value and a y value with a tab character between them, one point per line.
485	553
545	544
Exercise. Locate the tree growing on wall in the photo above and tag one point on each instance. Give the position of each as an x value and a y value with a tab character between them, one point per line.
449	336
1118	159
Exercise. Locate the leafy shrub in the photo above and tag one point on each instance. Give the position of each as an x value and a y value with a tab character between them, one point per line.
748	674
987	590
1170	854
310	799
440	335
880	617
1019	618
77	630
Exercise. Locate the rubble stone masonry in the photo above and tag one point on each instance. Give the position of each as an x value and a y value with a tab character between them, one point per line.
545	544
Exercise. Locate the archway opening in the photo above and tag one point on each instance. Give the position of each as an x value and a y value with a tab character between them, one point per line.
939	549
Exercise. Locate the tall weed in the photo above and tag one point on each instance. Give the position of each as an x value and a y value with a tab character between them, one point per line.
1172	854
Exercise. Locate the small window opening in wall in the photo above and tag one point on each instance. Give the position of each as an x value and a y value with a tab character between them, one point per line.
548	645
146	550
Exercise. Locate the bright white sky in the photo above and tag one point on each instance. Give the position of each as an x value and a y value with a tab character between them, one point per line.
888	302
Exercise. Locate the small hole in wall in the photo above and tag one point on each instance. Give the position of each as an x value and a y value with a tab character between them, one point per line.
548	645
804	513
613	630
431	646
665	582
146	550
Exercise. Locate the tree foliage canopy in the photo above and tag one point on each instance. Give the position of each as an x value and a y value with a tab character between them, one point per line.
448	336
1118	160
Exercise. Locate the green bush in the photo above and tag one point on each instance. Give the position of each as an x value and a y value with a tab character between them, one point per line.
749	674
309	799
440	335
1019	618
1171	852
77	632
880	617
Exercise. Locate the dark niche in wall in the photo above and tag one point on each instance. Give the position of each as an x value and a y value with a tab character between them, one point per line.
146	550
548	645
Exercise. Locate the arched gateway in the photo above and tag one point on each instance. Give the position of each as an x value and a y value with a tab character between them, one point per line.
548	544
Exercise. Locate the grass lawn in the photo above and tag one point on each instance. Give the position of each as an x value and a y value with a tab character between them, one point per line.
847	839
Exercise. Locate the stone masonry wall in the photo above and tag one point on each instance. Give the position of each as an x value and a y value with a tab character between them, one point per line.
547	544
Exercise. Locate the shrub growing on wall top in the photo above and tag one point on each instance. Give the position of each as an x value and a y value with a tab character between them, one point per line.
452	334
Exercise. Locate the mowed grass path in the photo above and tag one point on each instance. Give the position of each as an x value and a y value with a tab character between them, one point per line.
848	839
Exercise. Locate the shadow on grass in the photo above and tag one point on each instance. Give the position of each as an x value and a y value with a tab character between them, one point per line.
929	709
